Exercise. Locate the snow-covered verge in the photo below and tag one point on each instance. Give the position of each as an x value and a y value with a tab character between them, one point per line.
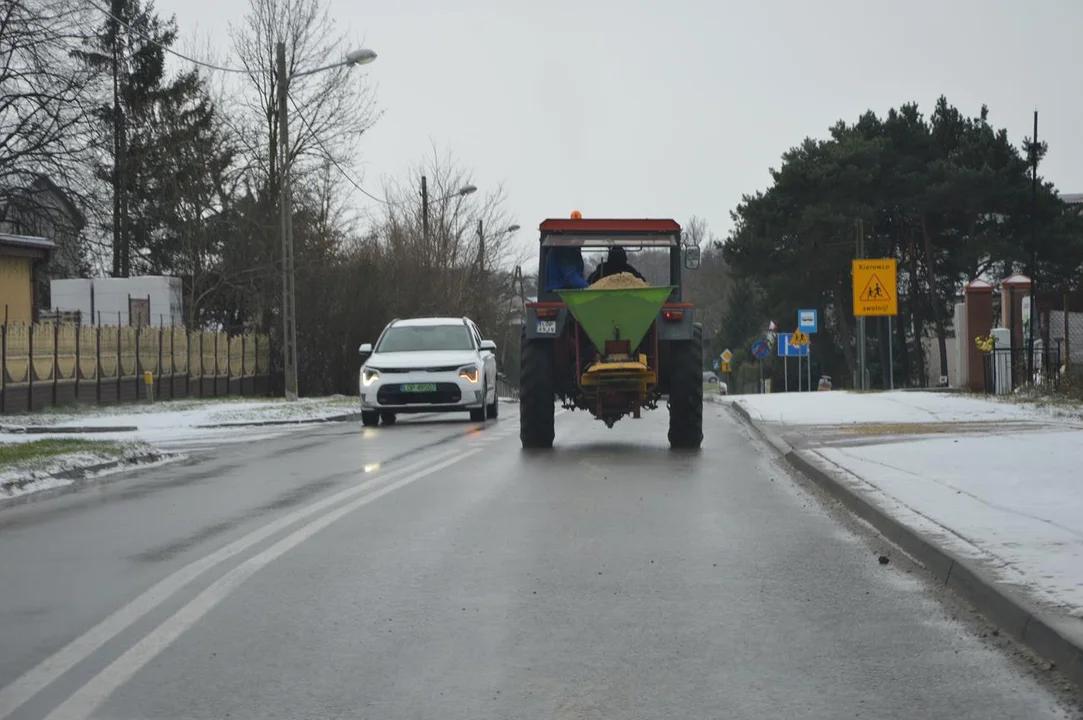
150	430
190	412
52	463
1010	501
990	480
850	408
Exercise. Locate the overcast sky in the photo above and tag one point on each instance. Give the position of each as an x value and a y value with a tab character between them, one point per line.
637	108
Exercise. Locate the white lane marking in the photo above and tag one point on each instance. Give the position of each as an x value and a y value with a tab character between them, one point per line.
88	698
48	670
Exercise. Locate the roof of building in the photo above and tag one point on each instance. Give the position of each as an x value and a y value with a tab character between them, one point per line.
27	241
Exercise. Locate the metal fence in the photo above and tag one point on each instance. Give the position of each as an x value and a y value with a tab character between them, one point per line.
1007	369
506	389
49	364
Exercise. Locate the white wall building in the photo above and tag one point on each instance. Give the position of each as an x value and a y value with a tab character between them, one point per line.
155	300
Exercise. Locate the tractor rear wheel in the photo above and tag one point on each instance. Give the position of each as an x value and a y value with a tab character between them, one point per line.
536	397
686	392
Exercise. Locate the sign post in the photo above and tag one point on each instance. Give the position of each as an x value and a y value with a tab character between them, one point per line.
875	295
808	321
793	345
760	349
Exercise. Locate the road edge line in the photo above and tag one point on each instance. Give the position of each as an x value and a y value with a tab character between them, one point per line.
1034	628
89	697
23	688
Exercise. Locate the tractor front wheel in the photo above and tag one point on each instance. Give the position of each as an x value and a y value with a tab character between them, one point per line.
536	398
686	392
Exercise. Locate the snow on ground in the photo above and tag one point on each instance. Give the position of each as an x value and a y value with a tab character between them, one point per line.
849	408
998	482
39	474
182	424
172	421
1011	501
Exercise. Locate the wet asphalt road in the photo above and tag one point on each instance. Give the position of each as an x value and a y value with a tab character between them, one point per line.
434	570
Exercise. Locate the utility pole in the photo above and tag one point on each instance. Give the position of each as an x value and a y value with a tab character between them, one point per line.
861	320
425	210
481	248
1033	251
289	325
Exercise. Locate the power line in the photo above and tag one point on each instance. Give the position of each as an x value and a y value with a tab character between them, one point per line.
331	158
169	50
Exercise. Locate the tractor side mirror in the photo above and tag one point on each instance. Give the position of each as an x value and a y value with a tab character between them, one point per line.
365	350
691	257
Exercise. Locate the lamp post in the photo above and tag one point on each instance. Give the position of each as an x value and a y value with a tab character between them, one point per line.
464	190
289	296
480	287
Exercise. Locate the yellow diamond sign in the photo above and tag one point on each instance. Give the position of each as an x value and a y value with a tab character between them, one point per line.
727	356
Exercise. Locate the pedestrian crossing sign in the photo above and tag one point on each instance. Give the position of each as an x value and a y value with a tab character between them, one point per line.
874	287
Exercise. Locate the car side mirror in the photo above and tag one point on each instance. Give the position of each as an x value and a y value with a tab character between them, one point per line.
488	345
691	257
365	349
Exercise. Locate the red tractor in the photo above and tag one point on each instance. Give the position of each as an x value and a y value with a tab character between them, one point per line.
614	351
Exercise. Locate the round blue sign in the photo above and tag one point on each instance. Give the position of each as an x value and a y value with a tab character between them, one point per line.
760	350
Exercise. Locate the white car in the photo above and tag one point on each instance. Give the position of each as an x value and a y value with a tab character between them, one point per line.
428	365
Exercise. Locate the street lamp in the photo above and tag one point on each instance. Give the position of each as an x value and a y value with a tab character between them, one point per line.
481	242
461	192
480	286
360	56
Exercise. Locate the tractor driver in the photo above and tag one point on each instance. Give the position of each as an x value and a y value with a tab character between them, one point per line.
564	269
615	263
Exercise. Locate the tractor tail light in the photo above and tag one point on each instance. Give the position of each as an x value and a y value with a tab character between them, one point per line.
673	315
547	312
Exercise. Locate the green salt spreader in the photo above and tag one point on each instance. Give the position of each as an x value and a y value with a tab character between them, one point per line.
616	376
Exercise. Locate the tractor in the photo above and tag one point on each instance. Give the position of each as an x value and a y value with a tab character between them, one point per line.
613	352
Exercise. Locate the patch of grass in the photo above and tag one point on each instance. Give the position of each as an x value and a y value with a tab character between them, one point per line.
19	453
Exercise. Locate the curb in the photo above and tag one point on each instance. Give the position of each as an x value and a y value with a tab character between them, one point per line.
345	417
94	430
1042	632
64	429
80	473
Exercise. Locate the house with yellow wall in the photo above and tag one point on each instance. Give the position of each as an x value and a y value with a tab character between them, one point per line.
21	259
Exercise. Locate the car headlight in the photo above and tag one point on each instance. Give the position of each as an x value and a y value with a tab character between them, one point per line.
470	373
369	376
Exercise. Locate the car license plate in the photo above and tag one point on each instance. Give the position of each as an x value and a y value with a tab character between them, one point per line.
547	327
419	388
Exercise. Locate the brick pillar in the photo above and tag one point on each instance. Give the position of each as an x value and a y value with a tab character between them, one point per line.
979	321
1012	291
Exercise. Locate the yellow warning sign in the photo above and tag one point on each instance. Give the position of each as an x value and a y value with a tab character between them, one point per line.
875	288
799	339
726	367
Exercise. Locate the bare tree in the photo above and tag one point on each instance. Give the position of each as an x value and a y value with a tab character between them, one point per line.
337	105
42	96
450	269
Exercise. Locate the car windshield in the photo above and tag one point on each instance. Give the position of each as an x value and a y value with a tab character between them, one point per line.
419	338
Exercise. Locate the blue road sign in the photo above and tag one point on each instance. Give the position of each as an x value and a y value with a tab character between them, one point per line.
807	320
717	364
760	349
786	349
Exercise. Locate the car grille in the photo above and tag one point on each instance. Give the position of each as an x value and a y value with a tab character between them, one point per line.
445	394
403	371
